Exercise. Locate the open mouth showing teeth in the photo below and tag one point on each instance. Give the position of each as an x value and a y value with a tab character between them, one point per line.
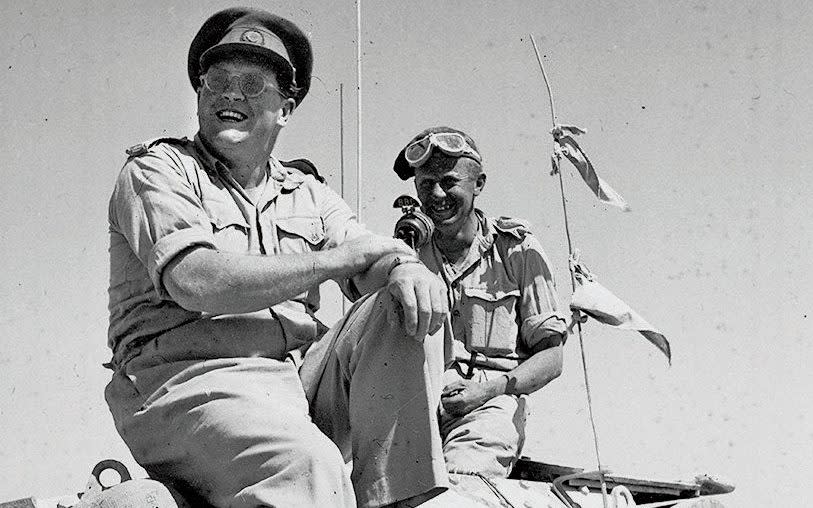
231	116
443	209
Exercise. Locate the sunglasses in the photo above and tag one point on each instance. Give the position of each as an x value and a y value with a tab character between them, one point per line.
450	143
251	84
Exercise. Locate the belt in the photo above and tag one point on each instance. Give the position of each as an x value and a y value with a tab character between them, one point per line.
203	339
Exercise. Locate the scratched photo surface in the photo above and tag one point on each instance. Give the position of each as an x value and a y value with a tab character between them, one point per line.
698	113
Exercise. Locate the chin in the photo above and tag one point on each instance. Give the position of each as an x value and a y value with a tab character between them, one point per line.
234	135
230	138
450	225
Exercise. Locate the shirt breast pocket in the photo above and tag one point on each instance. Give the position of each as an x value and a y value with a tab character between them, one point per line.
490	320
300	234
229	227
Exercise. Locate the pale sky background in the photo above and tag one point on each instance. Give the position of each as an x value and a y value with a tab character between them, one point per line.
698	113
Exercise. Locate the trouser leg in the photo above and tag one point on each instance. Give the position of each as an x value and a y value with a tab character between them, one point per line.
487	440
376	395
235	431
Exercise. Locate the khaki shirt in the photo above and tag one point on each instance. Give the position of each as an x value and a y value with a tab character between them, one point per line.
173	195
503	299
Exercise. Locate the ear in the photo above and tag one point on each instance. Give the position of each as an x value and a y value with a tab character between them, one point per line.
479	183
199	86
286	110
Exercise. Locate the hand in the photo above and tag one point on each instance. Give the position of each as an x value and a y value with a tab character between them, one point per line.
464	396
360	253
420	298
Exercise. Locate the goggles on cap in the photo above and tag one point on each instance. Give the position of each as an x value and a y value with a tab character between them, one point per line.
251	84
450	143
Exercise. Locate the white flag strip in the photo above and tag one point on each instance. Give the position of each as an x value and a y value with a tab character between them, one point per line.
597	302
566	146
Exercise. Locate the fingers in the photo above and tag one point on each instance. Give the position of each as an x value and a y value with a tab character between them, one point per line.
453	388
394	312
440	306
422	297
453	405
404	294
423	309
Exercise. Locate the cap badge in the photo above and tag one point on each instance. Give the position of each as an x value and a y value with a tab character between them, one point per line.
253	37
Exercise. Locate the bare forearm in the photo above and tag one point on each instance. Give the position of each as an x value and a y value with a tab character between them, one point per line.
531	375
222	282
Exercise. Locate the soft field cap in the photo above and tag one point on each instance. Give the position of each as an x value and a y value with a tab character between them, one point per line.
254	32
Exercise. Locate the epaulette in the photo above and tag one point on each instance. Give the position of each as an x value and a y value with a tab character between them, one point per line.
144	147
518	228
303	166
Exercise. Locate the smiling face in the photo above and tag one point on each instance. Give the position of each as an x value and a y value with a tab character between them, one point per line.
233	124
446	188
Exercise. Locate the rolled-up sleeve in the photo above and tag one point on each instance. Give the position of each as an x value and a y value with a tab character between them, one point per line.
341	225
542	324
156	209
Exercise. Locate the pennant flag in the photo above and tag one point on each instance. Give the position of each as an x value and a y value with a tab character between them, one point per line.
566	145
599	303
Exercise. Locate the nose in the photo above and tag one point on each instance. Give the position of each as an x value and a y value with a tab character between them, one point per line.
437	191
233	91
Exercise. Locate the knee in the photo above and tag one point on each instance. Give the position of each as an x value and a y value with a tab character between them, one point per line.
317	455
307	471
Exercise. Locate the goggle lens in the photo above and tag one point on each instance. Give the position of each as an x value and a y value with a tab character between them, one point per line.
417	150
451	143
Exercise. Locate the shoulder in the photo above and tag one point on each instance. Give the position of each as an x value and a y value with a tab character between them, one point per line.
514	236
146	147
300	178
303	168
512	227
157	159
161	153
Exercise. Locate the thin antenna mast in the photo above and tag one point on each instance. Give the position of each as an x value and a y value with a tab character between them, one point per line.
572	279
341	138
358	110
341	163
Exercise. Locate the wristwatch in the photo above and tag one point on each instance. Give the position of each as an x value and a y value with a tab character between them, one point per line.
402	260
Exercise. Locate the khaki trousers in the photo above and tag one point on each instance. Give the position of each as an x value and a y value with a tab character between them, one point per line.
488	440
238	430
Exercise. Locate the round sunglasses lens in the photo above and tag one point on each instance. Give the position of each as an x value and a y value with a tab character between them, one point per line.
217	80
252	85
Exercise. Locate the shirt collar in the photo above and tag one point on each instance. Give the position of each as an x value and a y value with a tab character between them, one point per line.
283	178
483	242
486	233
211	163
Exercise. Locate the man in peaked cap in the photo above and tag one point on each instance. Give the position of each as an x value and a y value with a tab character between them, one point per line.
217	251
508	330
